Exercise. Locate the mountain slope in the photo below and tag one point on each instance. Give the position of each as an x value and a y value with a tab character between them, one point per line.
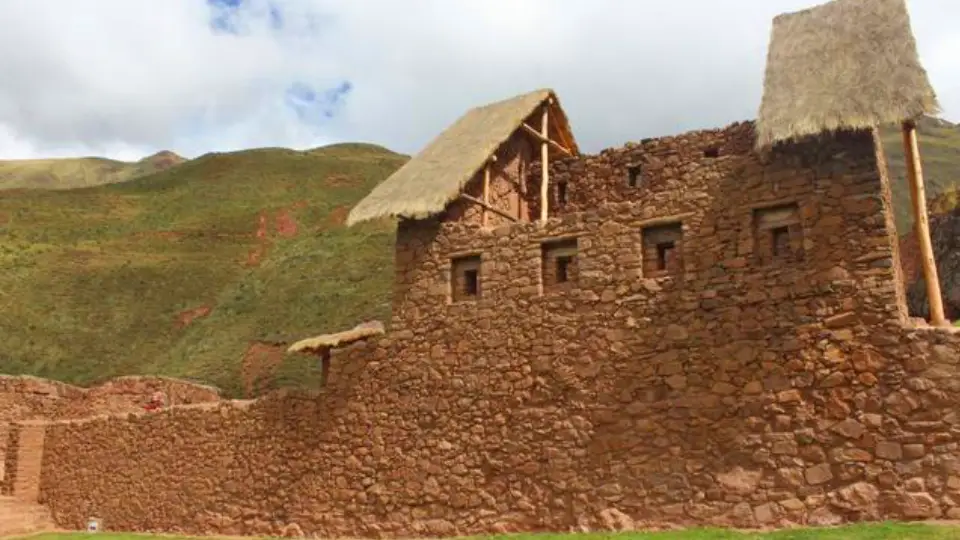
68	173
116	279
940	153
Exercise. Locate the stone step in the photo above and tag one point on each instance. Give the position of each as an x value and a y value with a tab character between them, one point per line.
19	517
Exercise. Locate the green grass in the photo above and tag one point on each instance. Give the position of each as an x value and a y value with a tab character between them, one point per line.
879	531
92	280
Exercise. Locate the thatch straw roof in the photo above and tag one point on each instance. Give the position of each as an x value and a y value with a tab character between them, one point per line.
327	341
847	64
426	184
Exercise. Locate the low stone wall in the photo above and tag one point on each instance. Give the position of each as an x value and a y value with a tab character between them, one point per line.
33	398
848	430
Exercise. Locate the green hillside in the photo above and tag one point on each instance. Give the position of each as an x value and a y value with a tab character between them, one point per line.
69	173
94	281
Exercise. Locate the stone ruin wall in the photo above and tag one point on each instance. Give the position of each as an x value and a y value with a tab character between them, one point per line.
735	386
33	398
26	400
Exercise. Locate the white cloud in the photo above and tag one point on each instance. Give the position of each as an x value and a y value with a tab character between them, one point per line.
129	77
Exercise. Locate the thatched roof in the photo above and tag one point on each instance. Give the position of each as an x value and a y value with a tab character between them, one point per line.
426	184
361	331
847	64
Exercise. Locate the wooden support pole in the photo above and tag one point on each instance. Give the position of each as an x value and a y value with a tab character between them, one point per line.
544	164
539	136
486	194
324	365
921	222
486	206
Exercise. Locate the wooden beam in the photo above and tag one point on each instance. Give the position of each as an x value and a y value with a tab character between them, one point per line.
523	213
486	206
539	136
921	222
486	194
324	366
544	164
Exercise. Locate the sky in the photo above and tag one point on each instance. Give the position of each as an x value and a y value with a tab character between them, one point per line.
127	78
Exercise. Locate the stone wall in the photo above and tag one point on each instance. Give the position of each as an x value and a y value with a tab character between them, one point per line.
32	398
766	375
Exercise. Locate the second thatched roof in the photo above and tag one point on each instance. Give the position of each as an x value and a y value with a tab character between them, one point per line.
327	341
847	64
426	184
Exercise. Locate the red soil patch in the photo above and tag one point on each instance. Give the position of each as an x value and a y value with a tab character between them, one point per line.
184	318
286	226
338	216
262	226
255	256
260	362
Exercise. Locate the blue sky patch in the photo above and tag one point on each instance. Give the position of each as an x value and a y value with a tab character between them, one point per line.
312	106
226	17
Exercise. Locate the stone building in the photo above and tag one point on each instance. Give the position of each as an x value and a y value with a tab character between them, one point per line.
483	223
702	329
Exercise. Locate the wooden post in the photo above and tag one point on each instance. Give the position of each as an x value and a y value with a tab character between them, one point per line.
544	163
921	222
324	365
486	193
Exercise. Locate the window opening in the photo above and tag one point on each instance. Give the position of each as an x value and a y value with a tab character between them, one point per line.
634	175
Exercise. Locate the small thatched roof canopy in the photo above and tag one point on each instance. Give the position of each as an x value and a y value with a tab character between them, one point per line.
328	341
847	64
426	184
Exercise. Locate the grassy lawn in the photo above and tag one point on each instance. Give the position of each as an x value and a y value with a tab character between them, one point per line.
874	531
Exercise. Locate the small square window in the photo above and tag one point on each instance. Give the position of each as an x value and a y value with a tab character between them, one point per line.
664	254
561	192
471	283
780	241
712	152
634	175
662	246
564	262
777	232
465	281
559	268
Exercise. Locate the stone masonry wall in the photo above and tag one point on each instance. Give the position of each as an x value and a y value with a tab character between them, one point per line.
32	398
745	385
